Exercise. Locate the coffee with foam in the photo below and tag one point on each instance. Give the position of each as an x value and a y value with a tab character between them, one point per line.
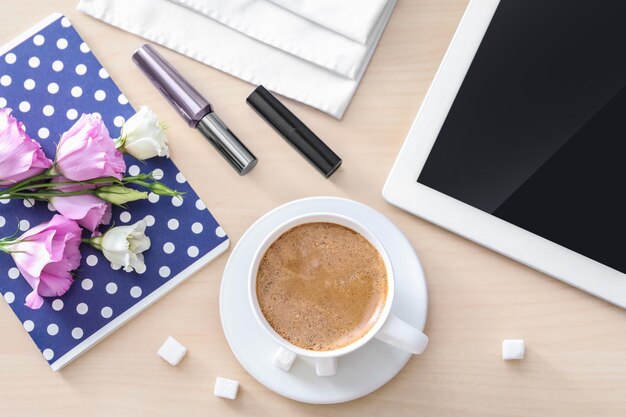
321	286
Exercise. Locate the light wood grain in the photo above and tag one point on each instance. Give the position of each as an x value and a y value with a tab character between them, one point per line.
576	344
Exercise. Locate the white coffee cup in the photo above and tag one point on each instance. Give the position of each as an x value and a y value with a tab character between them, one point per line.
388	328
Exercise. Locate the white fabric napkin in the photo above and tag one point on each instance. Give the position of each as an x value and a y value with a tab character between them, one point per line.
355	19
215	44
299	36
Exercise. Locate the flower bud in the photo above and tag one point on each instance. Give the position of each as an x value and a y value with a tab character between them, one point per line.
162	189
143	136
119	195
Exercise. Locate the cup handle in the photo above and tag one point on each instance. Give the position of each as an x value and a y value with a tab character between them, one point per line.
402	335
326	366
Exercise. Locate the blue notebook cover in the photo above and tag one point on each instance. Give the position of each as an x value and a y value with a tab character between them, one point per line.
50	65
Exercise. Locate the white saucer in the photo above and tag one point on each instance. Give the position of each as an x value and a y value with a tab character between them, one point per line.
358	373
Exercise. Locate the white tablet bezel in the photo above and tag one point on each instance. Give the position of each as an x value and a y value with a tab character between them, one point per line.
403	190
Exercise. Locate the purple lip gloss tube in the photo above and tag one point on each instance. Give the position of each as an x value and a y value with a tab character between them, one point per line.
194	108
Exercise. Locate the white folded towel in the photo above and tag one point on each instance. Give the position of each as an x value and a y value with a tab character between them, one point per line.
220	46
294	34
355	19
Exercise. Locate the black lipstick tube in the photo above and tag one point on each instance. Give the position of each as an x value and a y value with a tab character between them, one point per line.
294	131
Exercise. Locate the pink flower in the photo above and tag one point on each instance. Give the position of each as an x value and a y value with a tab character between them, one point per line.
45	255
20	156
86	151
87	209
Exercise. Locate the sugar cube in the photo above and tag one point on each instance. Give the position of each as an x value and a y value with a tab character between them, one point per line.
326	366
172	351
284	358
226	388
513	349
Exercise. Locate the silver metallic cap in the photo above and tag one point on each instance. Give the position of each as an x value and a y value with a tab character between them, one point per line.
227	143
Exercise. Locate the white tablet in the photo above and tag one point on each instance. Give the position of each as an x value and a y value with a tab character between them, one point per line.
520	143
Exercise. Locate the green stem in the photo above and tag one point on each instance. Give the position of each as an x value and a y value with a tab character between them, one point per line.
119	144
93	243
139	182
27	181
53	185
5	244
43	195
140	177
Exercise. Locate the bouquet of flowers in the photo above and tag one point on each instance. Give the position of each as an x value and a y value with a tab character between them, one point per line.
82	182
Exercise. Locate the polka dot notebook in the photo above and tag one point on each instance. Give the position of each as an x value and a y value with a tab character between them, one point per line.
49	76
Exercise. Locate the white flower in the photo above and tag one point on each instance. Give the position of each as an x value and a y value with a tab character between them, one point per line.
124	246
143	136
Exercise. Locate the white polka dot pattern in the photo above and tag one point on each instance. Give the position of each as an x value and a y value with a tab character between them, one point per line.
24	225
172	224
164	271
52	329
57	305
82	309
169	248
125	217
157	174
200	205
106	312
77	333
29	326
38	40
34	62
48	354
192	251
153	198
49	80
48	110
81	69
92	260
133	170
111	288
72	114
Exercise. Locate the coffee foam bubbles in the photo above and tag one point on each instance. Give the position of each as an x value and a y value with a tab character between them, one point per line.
321	286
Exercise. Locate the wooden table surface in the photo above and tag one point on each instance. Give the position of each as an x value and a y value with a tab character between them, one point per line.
576	344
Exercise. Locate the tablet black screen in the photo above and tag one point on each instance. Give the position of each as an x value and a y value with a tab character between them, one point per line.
537	132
